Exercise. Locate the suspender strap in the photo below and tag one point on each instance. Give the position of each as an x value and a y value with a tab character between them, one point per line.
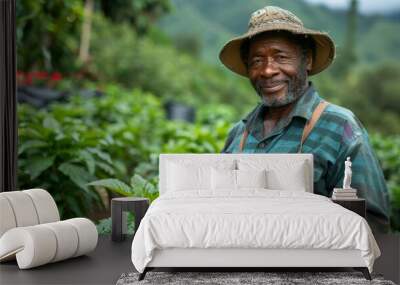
243	140
306	131
312	121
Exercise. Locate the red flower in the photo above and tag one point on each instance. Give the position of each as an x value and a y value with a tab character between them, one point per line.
56	76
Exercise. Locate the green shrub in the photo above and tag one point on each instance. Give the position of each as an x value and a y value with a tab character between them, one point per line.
61	154
64	148
388	151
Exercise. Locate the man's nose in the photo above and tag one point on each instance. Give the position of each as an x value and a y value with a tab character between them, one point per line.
270	68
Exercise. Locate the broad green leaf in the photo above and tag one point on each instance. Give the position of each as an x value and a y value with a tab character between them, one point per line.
88	158
107	168
31	144
76	136
150	188
114	185
103	155
51	123
138	181
73	205
60	136
37	165
77	174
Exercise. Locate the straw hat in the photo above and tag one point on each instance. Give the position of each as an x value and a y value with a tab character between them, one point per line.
271	18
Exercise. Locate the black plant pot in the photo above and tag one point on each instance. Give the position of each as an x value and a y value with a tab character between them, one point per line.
40	97
179	111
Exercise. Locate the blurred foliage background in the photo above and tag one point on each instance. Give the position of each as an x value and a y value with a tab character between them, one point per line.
135	56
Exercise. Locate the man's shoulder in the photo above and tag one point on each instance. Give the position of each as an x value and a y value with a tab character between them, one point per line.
344	120
237	127
341	115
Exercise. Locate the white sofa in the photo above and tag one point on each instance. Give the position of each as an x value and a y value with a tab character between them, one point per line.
193	222
31	231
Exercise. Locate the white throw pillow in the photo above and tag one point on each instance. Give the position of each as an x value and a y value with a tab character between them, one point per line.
280	174
228	179
186	177
293	179
223	179
251	178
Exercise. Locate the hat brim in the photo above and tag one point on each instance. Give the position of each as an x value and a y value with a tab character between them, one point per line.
324	49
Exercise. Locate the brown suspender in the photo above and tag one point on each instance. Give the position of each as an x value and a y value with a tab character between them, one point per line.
311	122
306	131
243	140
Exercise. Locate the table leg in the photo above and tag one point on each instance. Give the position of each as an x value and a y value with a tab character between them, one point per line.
116	222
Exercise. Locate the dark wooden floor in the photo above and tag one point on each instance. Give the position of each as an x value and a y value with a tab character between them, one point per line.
110	259
102	266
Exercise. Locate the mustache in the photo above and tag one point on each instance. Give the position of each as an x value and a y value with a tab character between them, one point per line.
268	82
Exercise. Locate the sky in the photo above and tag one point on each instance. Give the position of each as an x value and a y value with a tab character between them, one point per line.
365	6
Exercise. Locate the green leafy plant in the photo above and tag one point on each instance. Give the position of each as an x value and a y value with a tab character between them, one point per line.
138	187
388	151
104	225
61	155
86	139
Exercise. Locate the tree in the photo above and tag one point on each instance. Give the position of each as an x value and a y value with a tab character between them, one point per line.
374	97
347	55
140	13
86	31
48	34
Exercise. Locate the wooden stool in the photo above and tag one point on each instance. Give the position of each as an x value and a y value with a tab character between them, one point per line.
136	205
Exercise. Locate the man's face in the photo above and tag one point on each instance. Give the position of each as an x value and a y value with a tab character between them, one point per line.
277	69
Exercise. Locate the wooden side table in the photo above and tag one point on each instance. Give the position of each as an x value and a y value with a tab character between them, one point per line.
136	205
356	205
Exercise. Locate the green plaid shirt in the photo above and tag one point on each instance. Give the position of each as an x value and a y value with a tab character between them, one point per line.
337	135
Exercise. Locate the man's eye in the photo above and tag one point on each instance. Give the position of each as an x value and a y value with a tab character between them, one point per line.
256	61
281	57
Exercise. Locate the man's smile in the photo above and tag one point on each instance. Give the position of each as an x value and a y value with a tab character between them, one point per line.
272	86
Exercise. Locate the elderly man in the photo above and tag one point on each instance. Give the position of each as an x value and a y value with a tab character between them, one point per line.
278	54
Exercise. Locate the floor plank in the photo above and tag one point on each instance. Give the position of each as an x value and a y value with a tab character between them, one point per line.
102	266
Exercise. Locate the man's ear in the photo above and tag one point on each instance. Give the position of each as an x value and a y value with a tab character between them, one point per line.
309	60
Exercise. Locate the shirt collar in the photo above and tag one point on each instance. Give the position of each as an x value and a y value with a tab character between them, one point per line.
306	104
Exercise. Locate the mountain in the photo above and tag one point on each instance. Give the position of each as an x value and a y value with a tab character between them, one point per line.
213	22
